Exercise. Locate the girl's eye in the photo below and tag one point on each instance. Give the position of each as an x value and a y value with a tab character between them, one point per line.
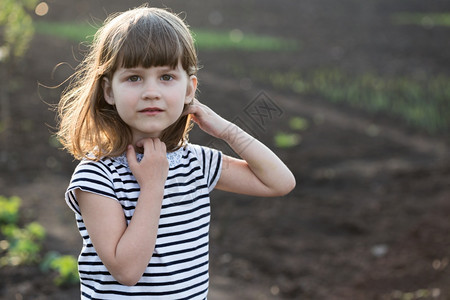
166	77
134	78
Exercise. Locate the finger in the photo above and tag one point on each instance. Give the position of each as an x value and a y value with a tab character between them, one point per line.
150	144
159	145
190	109
131	155
193	107
162	147
194	118
140	143
197	103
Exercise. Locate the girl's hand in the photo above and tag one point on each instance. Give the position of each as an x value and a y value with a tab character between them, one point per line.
207	119
154	167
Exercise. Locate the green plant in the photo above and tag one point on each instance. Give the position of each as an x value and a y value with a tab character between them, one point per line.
298	123
9	209
65	266
17	27
287	140
23	244
19	246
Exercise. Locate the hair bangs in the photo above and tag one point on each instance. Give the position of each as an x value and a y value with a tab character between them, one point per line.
150	44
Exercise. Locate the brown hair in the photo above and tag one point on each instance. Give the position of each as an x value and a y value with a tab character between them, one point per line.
89	127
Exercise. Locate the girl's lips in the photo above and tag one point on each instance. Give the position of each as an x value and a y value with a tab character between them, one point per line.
151	110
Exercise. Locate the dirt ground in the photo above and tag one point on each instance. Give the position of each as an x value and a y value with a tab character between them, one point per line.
369	216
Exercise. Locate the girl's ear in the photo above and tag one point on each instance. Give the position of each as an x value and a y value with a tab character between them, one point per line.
191	89
107	91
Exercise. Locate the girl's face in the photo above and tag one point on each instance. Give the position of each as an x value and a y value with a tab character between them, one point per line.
151	99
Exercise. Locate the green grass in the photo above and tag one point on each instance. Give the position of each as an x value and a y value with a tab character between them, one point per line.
421	104
422	19
204	39
77	32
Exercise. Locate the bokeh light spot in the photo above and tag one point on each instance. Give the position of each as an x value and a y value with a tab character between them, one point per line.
236	35
41	9
215	17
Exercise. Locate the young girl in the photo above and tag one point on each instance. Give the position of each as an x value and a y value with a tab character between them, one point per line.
141	191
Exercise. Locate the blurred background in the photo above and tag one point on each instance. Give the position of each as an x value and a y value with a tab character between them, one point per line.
353	95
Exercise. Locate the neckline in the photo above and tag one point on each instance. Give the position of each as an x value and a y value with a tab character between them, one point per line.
174	158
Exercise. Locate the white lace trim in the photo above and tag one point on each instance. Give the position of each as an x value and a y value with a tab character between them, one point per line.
174	158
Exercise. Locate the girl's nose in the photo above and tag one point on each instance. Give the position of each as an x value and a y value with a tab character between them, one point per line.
151	91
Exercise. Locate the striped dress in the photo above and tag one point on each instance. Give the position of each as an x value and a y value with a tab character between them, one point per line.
178	268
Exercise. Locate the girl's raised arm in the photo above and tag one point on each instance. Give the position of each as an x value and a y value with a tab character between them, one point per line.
259	173
126	250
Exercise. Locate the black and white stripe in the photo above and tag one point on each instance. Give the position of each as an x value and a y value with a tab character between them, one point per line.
178	268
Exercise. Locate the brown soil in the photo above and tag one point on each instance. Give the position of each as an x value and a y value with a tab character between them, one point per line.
369	216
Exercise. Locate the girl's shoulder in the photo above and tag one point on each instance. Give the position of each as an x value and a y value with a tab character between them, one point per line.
102	163
88	169
107	169
200	150
209	160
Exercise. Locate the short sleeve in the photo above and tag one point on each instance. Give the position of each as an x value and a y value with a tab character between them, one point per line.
211	164
89	176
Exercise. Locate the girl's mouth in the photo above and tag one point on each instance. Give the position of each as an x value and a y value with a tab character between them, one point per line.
151	110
